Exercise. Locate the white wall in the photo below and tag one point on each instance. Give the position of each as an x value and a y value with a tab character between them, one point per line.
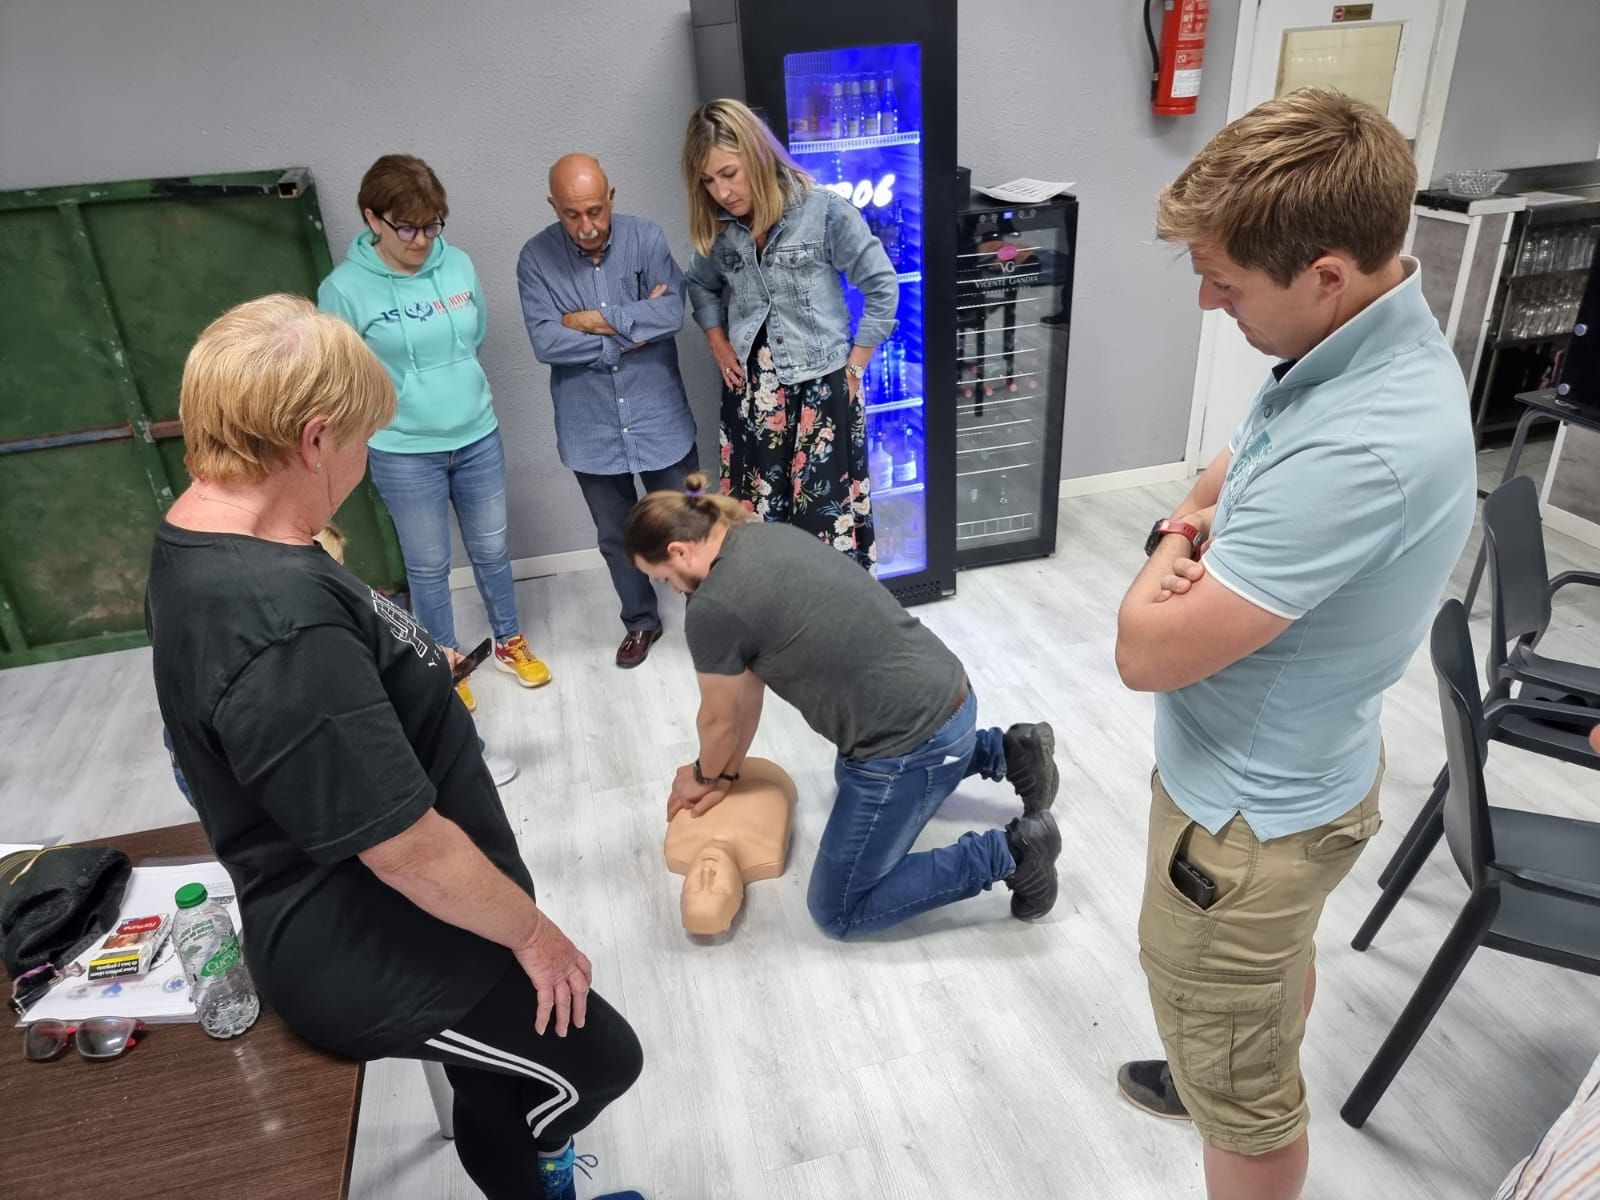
490	93
1525	90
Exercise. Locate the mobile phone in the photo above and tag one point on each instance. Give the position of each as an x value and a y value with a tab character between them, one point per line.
469	663
1194	883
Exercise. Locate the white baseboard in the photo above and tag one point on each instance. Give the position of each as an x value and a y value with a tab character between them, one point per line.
1575	527
1114	481
541	564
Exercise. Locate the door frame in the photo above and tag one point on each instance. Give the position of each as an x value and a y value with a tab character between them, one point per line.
1441	66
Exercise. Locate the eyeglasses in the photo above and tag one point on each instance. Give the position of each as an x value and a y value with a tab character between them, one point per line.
408	233
30	985
98	1037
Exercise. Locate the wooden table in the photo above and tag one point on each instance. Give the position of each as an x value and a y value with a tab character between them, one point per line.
263	1115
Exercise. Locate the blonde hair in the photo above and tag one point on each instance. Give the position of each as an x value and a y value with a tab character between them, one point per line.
687	516
775	179
331	538
259	372
1293	179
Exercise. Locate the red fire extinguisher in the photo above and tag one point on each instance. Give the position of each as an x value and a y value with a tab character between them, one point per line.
1175	87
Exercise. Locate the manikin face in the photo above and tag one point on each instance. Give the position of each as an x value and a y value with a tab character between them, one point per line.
712	892
727	182
1285	322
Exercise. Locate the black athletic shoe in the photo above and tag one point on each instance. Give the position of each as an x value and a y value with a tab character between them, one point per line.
1035	845
1030	752
1147	1085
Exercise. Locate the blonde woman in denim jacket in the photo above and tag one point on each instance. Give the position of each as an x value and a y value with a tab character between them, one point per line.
764	284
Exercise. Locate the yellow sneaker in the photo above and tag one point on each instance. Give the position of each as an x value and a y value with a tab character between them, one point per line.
515	658
465	692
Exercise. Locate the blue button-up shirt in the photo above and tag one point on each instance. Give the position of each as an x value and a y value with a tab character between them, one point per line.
620	406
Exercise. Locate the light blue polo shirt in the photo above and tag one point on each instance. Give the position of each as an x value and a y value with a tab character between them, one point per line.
1349	498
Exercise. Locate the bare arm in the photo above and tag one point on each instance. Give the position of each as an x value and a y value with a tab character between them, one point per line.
721	724
1167	641
1207	486
436	866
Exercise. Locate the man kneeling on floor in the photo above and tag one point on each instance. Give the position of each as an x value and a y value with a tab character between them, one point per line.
771	606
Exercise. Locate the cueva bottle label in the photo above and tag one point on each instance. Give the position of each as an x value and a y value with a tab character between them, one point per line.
227	954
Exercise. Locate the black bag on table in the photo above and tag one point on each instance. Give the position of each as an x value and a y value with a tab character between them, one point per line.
56	901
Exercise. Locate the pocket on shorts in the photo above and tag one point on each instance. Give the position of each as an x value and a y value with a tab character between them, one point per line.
1227	1033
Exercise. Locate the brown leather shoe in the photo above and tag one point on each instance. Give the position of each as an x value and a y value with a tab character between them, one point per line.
635	647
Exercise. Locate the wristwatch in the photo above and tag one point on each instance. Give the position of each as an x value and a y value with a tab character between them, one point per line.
854	371
1165	526
700	777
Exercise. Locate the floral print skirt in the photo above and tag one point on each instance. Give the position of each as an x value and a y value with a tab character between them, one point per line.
798	453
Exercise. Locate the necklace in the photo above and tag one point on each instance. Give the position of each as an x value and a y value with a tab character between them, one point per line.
229	503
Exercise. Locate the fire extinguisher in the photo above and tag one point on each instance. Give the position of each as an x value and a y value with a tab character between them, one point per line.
1175	84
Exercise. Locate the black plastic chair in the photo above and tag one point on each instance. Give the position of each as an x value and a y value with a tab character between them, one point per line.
1520	610
1535	878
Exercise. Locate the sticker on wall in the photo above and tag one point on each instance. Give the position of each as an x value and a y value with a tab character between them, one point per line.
1352	12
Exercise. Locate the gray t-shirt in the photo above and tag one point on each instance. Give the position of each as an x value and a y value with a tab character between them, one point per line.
825	636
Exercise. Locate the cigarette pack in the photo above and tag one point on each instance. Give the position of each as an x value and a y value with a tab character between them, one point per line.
130	948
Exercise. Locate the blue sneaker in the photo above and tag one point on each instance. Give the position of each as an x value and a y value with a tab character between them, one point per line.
555	1175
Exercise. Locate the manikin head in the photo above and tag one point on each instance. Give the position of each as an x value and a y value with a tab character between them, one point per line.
582	196
713	890
674	537
1294	216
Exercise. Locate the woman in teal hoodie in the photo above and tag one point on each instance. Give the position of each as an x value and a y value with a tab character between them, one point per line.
417	303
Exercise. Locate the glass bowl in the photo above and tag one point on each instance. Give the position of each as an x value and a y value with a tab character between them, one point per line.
1474	185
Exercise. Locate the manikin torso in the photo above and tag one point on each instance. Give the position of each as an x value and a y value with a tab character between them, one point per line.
742	839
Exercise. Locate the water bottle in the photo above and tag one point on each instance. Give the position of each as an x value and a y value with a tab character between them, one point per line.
836	110
208	948
888	108
869	106
894	370
905	461
881	466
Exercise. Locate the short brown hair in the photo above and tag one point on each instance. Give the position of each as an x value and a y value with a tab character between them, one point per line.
687	516
1293	179
403	186
263	369
775	179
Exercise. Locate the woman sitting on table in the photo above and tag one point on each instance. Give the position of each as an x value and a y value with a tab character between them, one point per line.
387	911
764	281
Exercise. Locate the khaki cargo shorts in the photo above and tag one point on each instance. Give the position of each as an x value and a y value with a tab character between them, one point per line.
1228	983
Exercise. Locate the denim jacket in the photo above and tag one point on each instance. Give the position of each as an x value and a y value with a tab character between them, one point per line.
794	288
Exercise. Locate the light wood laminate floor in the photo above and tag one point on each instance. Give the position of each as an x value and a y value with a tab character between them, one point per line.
966	1054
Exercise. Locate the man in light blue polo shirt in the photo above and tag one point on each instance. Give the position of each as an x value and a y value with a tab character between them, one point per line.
1287	592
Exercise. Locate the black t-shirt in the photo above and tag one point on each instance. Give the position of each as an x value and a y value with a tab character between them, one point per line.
315	719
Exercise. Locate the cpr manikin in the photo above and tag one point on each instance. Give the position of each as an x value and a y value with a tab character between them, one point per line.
744	838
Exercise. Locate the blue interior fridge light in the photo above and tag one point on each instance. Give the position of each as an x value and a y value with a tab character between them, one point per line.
855	125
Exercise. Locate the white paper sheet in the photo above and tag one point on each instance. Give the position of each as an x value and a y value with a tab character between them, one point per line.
1025	191
162	993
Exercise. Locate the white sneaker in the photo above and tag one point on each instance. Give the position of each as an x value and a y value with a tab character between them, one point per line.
503	769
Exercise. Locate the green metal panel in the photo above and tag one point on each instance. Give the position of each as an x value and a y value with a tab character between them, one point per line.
116	282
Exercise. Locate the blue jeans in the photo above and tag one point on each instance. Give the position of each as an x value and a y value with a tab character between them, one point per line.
418	490
865	877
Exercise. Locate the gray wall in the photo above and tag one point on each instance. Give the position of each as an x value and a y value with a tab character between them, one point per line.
1062	91
1524	90
491	93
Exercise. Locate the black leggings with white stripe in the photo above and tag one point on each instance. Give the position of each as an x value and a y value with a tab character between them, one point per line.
517	1093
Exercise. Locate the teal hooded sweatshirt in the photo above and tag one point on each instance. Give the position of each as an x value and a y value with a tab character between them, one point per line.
425	329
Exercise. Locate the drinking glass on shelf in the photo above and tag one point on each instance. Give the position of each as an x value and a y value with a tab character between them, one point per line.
1545	254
